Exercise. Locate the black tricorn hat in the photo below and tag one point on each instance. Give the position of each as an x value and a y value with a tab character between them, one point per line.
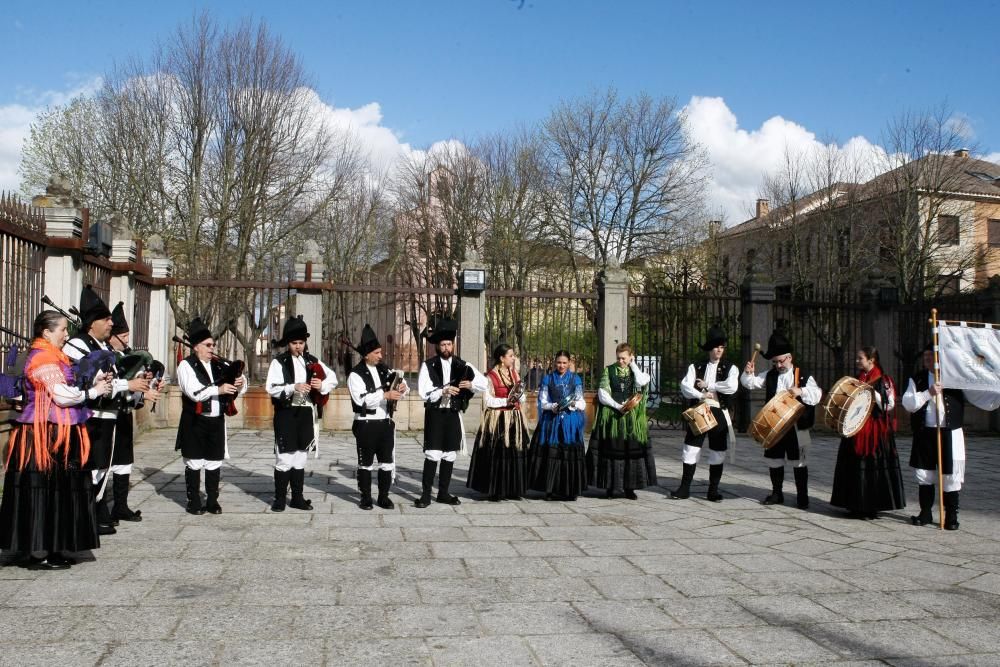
446	329
295	329
119	324
715	337
197	331
369	341
777	345
92	308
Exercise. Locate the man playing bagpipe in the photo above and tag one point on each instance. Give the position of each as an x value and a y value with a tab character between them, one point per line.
201	436
89	347
299	385
139	364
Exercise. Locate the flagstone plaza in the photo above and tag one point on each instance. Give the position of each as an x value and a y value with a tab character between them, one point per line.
595	582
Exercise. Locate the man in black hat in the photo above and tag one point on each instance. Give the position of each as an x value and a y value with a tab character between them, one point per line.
95	330
925	400
446	383
124	449
296	382
713	382
201	435
373	399
794	445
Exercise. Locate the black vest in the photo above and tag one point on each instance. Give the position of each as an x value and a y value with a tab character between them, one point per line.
288	375
106	402
384	376
954	405
622	388
721	375
458	372
187	405
808	417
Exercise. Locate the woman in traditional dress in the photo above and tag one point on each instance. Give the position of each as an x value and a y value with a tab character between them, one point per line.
867	478
48	503
556	460
619	456
497	468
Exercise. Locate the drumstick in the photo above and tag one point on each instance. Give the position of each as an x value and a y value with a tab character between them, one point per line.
756	349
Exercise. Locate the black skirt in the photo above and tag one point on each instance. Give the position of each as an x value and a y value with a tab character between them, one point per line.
497	467
201	437
619	463
868	484
442	430
293	429
556	468
124	453
50	510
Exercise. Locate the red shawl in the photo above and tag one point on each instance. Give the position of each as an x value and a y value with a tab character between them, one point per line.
881	422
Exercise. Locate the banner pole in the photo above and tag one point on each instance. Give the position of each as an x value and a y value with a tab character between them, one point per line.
937	411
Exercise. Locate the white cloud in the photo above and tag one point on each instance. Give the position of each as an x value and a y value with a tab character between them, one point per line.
993	157
739	158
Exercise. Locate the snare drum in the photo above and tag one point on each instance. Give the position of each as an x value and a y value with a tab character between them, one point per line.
700	418
775	418
848	405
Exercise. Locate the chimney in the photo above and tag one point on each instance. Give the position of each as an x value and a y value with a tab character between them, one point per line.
714	227
762	208
962	152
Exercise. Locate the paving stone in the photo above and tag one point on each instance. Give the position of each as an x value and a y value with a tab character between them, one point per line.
881	639
481	651
623	616
590	650
977	634
589	565
787	610
530	618
634	587
423	620
369	650
783	645
680	647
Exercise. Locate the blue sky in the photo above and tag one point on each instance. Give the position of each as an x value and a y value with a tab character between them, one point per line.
441	69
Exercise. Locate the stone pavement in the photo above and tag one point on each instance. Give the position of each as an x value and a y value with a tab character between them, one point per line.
595	582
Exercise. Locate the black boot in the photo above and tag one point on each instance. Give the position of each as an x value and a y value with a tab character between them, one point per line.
192	478
444	482
777	497
212	479
801	487
365	487
714	476
926	494
281	478
683	491
384	480
122	511
297	476
430	469
951	510
105	524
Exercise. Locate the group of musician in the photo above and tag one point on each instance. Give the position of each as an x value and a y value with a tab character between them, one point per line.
867	475
73	440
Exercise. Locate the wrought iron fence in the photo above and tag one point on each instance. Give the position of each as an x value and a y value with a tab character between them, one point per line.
97	273
139	336
666	329
22	270
540	320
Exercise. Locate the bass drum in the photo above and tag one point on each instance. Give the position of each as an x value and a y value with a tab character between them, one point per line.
775	419
848	406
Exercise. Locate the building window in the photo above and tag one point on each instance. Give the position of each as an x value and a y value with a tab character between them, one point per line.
951	283
948	229
993	232
789	254
779	256
844	248
885	241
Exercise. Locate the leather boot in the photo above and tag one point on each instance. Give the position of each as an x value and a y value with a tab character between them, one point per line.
714	476
444	482
212	479
120	484
365	487
192	479
281	478
297	476
777	497
105	524
926	495
683	491
430	469
384	480
801	487
951	510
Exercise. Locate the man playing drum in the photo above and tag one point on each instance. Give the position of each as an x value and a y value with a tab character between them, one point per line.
712	382
793	446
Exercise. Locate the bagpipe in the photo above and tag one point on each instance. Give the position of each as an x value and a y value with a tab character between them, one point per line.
232	370
393	384
12	373
314	369
73	318
460	401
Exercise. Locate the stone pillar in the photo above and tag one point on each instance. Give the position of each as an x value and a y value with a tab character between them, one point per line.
877	322
612	312
64	223
757	325
124	249
309	303
161	315
472	337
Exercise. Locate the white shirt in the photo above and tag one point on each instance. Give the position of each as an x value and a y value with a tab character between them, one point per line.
198	392
428	392
543	396
371	401
275	383
914	400
727	386
811	393
641	380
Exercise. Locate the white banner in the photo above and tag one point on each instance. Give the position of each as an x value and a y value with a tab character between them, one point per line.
969	356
